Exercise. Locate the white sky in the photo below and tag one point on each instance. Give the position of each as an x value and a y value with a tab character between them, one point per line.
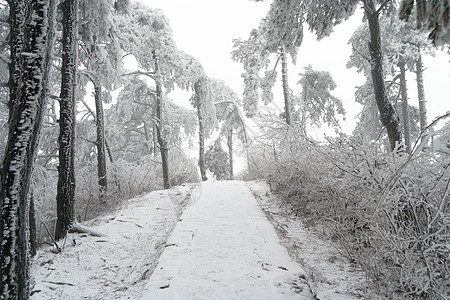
205	29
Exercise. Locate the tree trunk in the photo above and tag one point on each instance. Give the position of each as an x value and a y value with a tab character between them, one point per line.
101	153
303	110
201	130
421	95
29	34
284	79
230	152
65	197
388	116
405	110
32	222
164	150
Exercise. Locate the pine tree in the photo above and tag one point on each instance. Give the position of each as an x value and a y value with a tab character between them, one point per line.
31	32
65	197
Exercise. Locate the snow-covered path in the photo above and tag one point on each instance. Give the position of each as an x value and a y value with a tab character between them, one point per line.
225	248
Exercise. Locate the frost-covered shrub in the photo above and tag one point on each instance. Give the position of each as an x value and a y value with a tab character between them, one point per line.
389	212
128	179
182	169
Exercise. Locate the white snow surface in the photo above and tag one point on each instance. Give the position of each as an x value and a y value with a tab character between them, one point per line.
118	265
221	247
225	248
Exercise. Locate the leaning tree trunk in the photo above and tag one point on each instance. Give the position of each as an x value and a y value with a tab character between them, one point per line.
65	197
421	95
29	36
101	153
284	79
201	128
405	110
388	116
230	151
164	150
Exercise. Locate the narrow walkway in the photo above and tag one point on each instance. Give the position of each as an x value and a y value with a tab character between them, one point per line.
225	248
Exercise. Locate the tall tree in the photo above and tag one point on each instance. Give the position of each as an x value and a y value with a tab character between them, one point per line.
202	100
405	108
148	37
162	142
401	44
102	59
388	116
279	33
421	93
30	34
65	197
322	16
228	104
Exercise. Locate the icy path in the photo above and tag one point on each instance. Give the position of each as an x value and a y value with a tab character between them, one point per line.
225	248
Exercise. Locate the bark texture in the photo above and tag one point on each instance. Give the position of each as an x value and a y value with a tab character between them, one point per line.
163	147
65	197
284	79
230	152
405	111
29	38
388	116
421	95
101	152
201	129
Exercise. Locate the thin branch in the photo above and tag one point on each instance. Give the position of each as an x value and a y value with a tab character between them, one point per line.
88	140
88	108
276	63
149	74
54	97
360	53
88	74
382	6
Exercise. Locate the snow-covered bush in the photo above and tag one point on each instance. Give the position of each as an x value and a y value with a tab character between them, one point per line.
217	161
389	212
127	179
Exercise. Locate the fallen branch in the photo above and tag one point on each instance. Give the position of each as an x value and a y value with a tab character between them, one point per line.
59	282
77	228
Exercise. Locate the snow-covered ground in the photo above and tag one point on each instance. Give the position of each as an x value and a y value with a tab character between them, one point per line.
225	248
222	247
329	274
117	265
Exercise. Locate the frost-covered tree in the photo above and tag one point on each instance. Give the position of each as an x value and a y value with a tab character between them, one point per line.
102	59
401	44
132	124
30	41
432	16
322	16
216	160
316	104
147	36
65	197
202	100
280	33
229	115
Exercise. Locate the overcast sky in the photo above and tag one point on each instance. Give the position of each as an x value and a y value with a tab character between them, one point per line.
206	28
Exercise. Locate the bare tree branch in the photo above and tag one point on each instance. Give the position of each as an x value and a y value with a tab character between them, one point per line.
360	53
148	74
